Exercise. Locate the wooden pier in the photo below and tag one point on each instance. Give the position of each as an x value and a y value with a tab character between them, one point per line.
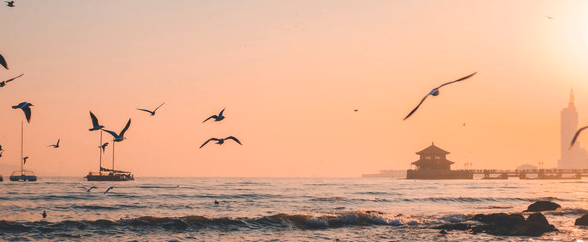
540	174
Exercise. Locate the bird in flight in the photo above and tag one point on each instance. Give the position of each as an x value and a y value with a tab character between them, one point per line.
576	136
25	106
9	3
3	83
3	62
119	137
0	147
95	124
221	141
25	160
108	190
435	92
88	189
548	17
216	118
103	146
151	112
1	151
55	145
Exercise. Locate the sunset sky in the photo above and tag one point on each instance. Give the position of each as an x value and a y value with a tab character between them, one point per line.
290	74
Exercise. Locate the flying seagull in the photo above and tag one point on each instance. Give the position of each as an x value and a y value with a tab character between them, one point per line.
151	112
26	109
88	189
55	145
435	92
576	136
221	141
25	159
119	137
103	146
3	62
215	117
0	147
95	122
107	190
3	83
548	17
9	3
1	151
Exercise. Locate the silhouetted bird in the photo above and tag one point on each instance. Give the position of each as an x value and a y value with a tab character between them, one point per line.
548	17
88	189
216	202
9	3
355	110
221	141
1	151
151	112
25	160
119	137
216	118
435	92
3	62
108	190
3	83
26	109
103	146
44	214
55	145
576	136
0	147
95	124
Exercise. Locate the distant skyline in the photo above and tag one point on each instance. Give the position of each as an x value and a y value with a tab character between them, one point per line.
290	75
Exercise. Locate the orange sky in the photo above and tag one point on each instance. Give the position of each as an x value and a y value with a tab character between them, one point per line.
290	74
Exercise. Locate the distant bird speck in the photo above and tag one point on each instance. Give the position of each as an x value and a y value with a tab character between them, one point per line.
435	92
355	110
548	17
576	136
3	83
103	146
95	124
1	151
3	62
9	3
216	202
44	214
108	190
151	112
119	137
0	147
25	160
221	141
55	145
25	106
216	118
89	189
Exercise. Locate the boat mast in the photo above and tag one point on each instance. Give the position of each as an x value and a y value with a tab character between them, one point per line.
21	150
100	150
113	155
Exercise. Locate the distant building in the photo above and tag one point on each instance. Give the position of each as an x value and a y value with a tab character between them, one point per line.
576	157
433	164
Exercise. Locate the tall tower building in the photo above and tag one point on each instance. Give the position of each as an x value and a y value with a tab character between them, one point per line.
576	157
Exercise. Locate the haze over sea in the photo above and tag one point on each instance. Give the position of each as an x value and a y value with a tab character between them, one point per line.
278	209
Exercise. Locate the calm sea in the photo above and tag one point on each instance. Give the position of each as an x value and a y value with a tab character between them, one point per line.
276	209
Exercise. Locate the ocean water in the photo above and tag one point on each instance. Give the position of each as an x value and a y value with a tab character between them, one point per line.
277	209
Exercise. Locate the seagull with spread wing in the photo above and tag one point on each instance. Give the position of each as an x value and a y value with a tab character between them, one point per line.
216	118
25	106
576	136
3	83
120	136
435	92
151	112
221	141
9	3
103	146
95	124
55	145
3	62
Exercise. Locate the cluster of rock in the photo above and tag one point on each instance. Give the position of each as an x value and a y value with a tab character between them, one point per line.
511	224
